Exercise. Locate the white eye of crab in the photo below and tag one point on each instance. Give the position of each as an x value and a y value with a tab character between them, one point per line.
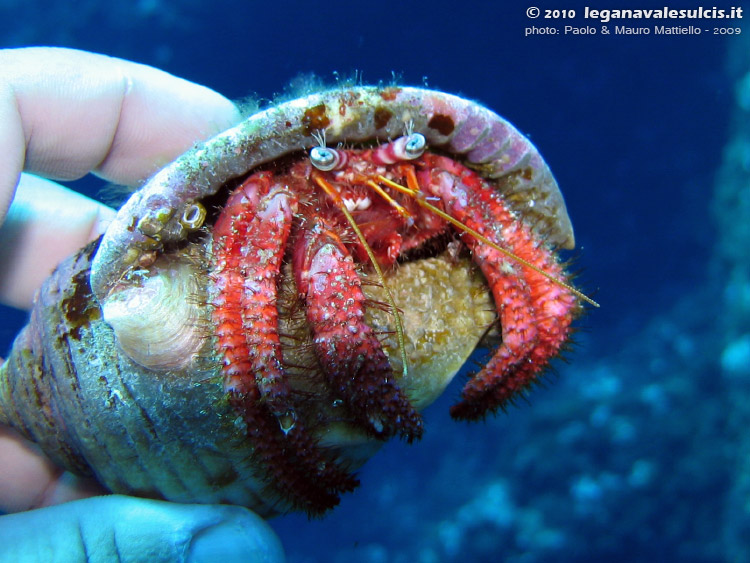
324	159
414	146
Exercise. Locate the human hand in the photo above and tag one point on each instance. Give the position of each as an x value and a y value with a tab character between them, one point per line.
65	113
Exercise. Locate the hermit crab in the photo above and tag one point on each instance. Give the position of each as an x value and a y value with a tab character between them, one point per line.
280	300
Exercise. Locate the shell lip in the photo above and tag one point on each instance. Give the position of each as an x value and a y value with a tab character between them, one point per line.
151	218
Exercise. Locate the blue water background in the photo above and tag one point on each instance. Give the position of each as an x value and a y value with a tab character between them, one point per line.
633	129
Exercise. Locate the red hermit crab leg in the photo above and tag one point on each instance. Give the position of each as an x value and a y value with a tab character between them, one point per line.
535	311
485	224
534	315
414	191
257	221
353	359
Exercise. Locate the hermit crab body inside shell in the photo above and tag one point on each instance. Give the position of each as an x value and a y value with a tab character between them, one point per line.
302	257
338	218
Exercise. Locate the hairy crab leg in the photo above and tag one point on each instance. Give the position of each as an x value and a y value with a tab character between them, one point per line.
414	191
352	357
528	343
257	221
334	195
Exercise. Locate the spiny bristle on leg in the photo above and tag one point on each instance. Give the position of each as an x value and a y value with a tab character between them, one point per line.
352	358
246	317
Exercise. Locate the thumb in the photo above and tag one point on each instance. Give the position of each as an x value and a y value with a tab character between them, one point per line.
124	529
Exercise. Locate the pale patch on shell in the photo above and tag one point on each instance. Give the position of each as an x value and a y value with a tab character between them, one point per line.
446	310
157	318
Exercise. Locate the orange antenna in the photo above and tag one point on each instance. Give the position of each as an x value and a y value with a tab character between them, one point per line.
414	191
331	191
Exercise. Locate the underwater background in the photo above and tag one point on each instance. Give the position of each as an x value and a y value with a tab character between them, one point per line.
637	447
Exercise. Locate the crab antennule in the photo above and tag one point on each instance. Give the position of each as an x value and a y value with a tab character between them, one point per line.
396	205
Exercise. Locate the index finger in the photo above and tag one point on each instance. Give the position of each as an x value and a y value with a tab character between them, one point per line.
65	113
